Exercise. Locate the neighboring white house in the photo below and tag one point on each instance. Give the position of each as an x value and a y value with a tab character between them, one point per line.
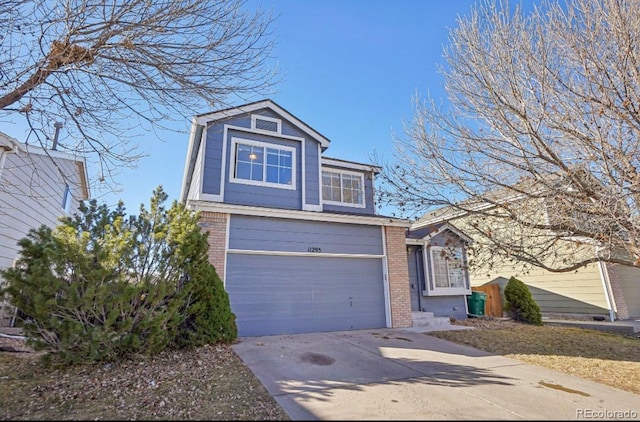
37	186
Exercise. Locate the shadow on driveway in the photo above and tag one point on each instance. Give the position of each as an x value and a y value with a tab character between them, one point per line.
394	374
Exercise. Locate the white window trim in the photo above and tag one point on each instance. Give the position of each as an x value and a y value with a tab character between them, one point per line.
232	168
256	117
363	201
442	291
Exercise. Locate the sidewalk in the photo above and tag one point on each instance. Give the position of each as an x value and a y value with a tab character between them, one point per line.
620	326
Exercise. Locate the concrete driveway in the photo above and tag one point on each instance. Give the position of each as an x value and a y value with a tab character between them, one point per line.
396	374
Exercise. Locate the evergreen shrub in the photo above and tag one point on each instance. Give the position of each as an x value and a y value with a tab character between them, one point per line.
102	286
519	303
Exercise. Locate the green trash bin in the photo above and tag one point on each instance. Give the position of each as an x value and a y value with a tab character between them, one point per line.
476	302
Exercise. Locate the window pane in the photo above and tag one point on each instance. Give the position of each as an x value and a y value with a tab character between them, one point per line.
279	166
285	159
243	171
347	196
456	270
331	186
351	190
249	162
272	157
272	174
285	176
326	192
256	171
439	269
243	153
257	155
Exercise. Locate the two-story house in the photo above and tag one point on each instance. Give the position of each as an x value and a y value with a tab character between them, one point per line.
293	234
37	186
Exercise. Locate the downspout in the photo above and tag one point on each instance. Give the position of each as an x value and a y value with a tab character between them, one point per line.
606	284
4	151
3	157
417	256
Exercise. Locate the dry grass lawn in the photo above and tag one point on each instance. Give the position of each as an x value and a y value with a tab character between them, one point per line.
608	358
207	383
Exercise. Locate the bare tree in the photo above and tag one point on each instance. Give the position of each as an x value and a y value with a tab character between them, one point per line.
108	68
536	152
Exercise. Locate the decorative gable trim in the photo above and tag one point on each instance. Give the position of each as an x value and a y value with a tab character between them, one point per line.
266	124
352	165
204	119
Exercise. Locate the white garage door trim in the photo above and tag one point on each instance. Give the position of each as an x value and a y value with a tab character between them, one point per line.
382	257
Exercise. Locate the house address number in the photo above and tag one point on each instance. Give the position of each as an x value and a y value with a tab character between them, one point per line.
314	249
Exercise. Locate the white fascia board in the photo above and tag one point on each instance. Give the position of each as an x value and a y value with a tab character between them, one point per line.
297	214
452	229
413	241
32	149
349	165
8	143
191	158
205	119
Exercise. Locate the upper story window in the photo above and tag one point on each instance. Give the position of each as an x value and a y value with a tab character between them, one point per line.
263	164
343	188
266	123
66	199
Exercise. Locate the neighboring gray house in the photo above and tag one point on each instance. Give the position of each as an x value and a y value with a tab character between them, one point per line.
37	186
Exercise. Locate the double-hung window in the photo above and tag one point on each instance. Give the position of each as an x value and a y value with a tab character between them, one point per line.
343	188
259	163
448	273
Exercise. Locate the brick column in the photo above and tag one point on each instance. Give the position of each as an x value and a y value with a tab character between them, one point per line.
216	224
398	274
617	291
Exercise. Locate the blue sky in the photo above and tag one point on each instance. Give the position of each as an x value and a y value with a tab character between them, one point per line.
349	69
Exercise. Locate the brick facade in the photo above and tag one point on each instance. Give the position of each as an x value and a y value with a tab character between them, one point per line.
398	274
216	224
617	291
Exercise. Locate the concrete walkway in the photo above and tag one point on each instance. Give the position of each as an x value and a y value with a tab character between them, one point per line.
396	374
627	326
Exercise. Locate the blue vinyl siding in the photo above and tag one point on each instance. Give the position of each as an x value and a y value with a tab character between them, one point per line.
213	160
261	196
275	234
446	306
312	170
285	295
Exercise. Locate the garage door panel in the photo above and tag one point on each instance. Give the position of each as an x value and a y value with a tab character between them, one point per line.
296	294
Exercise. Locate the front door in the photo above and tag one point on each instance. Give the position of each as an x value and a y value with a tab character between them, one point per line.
416	275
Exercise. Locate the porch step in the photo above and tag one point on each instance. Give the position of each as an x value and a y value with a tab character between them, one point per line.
427	319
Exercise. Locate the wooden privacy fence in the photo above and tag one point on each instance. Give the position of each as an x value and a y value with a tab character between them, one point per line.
493	301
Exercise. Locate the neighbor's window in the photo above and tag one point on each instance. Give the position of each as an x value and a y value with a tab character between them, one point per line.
66	199
259	163
343	188
447	268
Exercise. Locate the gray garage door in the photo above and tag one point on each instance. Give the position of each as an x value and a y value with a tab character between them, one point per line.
298	294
